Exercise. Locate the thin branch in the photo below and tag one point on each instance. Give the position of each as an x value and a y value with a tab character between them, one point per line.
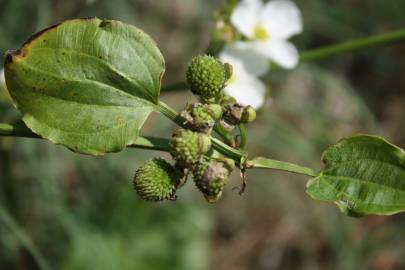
333	50
266	163
143	142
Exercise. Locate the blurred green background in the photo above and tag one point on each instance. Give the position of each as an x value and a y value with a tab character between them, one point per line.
60	210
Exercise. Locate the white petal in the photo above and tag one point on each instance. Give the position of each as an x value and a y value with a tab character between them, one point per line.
244	16
281	18
248	91
281	52
244	55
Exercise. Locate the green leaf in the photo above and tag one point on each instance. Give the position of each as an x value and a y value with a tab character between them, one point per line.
363	175
88	84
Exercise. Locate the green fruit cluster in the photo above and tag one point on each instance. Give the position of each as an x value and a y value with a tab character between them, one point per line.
157	179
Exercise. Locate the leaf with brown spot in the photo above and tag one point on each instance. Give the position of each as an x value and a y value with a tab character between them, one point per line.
73	80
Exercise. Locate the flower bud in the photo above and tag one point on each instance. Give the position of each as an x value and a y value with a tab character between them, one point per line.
188	146
248	115
156	180
206	77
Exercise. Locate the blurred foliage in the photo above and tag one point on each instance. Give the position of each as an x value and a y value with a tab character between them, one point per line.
60	210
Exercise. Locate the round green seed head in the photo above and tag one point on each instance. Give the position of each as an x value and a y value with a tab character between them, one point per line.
188	146
156	180
201	115
206	77
211	178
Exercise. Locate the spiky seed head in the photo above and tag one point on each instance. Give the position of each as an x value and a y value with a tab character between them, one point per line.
157	180
187	147
211	177
206	77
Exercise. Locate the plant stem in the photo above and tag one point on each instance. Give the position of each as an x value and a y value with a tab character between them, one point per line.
170	113
225	135
243	135
352	46
279	165
237	155
161	144
151	143
329	51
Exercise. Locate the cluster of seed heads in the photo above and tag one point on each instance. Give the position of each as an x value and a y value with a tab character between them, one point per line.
191	147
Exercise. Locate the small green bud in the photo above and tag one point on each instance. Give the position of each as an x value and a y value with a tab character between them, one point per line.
206	77
156	180
211	177
248	115
201	117
188	146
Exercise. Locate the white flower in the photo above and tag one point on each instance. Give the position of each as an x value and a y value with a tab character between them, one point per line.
269	26
247	65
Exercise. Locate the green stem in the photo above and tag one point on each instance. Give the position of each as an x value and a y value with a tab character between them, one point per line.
225	135
279	165
330	51
150	143
230	152
161	144
243	135
170	113
353	46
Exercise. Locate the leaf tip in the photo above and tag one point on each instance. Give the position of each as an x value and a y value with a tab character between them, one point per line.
9	56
